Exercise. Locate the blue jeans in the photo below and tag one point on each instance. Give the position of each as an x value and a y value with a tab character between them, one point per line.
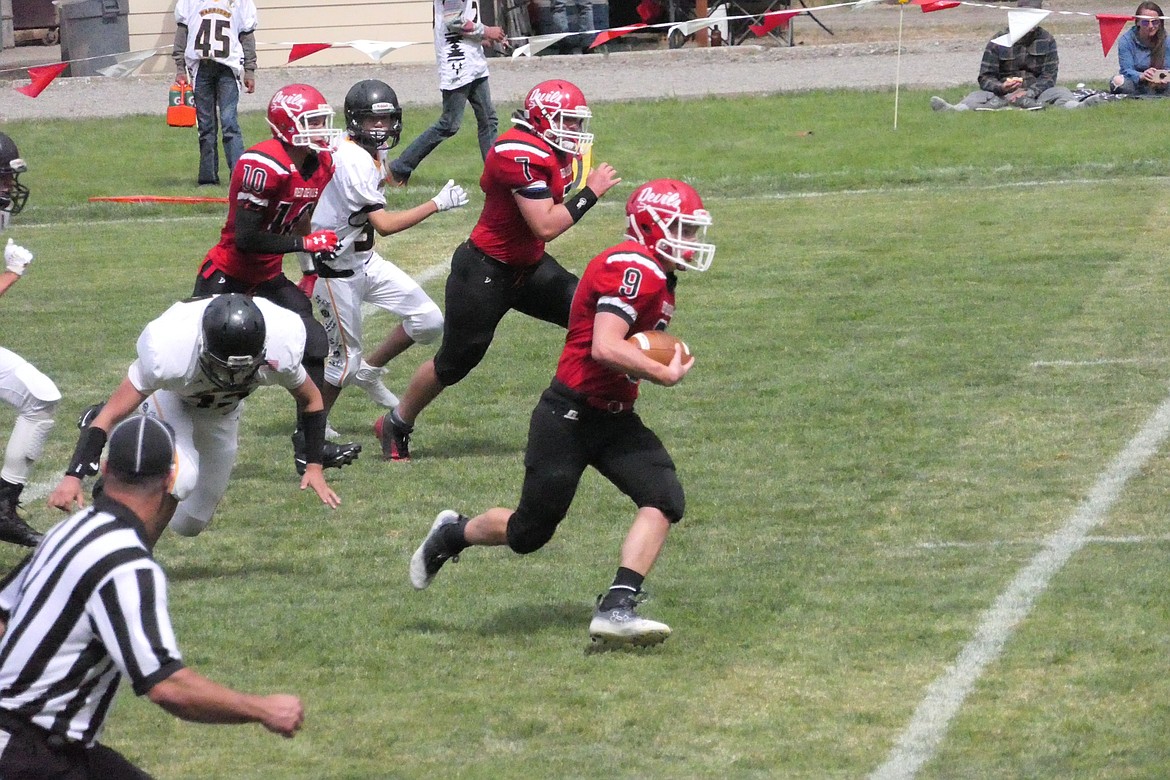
455	101
216	87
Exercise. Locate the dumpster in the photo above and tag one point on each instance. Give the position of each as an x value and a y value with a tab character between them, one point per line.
92	31
7	35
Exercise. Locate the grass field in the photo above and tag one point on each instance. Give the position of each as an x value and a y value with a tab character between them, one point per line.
925	357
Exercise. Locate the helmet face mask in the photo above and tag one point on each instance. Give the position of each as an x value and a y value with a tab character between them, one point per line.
373	100
557	112
232	348
299	116
13	194
667	217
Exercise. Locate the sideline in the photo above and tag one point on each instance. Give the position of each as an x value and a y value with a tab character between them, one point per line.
920	740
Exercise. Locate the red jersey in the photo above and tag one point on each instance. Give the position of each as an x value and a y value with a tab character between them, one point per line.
266	180
523	163
627	281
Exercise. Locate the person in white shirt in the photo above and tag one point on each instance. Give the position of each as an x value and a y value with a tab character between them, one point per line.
353	206
463	79
215	48
196	364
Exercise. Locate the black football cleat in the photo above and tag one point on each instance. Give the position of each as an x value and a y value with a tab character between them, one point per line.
13	527
334	456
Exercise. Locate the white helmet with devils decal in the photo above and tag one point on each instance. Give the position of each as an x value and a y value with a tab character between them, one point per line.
557	112
667	217
299	116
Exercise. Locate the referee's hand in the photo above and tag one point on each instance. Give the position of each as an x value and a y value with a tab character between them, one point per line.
283	714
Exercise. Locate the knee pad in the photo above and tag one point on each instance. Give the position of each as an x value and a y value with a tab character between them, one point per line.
527	534
25	445
42	393
424	328
452	364
185	525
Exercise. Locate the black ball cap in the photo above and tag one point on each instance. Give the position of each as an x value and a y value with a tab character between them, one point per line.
141	446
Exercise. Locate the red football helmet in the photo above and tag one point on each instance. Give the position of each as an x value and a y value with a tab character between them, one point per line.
299	115
667	217
557	112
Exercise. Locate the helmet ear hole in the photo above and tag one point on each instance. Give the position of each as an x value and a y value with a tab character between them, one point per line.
368	99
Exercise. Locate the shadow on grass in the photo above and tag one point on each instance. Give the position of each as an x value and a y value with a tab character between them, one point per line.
186	572
532	618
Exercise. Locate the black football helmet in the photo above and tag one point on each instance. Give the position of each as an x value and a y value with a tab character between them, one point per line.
233	341
373	98
13	194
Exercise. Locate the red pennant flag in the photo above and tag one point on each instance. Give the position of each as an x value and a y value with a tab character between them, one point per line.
605	36
936	5
41	77
1111	27
300	50
772	21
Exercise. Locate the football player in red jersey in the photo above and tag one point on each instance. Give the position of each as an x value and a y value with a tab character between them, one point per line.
503	265
586	417
275	186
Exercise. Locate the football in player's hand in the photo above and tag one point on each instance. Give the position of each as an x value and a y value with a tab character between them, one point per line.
658	345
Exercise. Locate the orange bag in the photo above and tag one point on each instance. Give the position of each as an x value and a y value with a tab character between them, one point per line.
181	107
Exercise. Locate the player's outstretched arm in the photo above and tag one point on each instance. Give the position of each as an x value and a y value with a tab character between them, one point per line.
189	695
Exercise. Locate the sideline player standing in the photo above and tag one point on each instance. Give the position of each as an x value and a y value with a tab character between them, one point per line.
32	394
354	207
503	265
89	607
196	364
274	188
463	79
586	417
215	46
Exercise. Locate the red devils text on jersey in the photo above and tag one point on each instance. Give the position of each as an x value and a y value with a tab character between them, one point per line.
523	163
627	281
266	180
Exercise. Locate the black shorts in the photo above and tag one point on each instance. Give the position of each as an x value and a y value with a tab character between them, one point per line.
27	751
565	436
481	290
280	289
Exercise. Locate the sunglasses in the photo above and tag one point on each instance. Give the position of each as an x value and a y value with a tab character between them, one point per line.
1149	22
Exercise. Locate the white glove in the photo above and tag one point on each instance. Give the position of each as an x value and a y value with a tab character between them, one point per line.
17	258
452	196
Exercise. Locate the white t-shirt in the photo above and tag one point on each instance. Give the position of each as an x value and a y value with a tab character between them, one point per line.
213	31
353	192
459	54
168	355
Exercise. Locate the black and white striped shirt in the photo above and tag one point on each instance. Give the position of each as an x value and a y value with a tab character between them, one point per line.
88	606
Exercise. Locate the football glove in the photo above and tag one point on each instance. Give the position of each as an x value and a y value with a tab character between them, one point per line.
320	241
16	257
452	196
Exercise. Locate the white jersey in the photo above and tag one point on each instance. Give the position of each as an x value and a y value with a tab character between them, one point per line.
458	47
168	356
213	31
354	191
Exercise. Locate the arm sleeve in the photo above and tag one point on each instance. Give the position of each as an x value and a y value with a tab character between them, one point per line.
248	44
129	611
251	236
178	55
1127	59
989	78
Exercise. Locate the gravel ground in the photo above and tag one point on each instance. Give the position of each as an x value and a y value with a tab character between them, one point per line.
935	54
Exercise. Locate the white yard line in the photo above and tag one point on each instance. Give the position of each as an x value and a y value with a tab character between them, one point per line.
920	740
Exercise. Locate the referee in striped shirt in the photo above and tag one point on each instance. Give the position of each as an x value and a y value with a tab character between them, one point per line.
88	607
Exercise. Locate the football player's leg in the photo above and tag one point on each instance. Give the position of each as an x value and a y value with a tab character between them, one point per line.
210	442
555	459
35	399
548	293
392	289
339	302
478	295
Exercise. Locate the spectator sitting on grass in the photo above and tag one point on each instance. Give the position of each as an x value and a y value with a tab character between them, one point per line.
1141	55
1022	75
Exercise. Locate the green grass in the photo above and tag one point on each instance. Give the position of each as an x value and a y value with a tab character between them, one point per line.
870	451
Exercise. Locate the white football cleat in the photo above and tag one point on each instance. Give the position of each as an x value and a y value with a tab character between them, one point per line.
622	626
369	379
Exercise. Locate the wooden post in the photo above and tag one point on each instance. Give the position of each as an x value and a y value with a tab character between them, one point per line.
701	37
